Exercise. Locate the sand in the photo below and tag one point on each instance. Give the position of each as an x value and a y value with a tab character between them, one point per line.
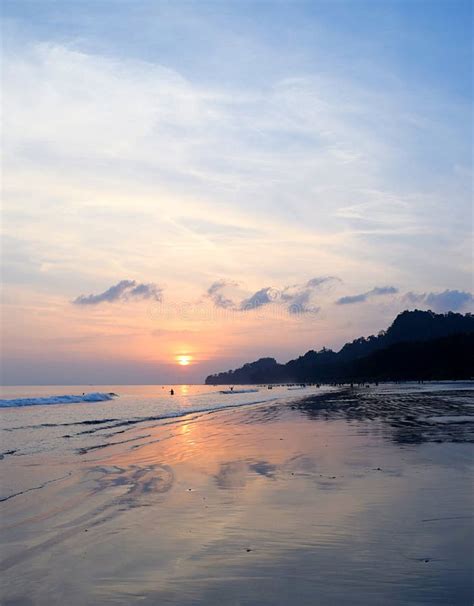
361	497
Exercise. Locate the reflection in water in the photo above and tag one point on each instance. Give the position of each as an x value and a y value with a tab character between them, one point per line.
265	506
411	418
232	475
235	474
263	468
139	482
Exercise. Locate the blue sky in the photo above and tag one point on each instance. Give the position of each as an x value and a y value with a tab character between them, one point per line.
412	39
259	146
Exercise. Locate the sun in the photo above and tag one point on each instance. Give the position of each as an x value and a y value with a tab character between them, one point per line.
184	360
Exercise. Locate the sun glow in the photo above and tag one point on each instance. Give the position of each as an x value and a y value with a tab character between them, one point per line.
183	360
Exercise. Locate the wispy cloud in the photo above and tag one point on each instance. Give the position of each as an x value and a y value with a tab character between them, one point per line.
361	298
125	290
298	297
318	282
300	303
448	300
291	146
214	292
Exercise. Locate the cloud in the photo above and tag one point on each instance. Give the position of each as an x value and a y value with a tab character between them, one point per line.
300	304
448	300
125	290
261	297
384	290
317	282
296	298
218	298
375	292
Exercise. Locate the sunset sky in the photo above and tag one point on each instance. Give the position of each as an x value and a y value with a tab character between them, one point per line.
213	182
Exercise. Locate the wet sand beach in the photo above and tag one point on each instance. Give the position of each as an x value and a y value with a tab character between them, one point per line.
359	496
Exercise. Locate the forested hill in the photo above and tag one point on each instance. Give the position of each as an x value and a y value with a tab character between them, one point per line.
417	345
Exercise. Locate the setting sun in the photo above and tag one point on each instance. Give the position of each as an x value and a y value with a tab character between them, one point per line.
183	360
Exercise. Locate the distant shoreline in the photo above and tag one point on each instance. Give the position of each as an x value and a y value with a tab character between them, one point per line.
418	346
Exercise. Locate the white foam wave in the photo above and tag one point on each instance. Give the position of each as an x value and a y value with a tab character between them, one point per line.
62	399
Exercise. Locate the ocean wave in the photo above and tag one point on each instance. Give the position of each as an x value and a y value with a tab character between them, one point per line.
63	399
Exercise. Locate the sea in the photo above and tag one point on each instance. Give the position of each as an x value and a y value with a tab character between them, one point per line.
67	419
61	420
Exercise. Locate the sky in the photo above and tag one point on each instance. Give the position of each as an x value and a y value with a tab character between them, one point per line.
188	186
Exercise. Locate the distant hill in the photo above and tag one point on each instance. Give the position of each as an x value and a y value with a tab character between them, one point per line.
417	345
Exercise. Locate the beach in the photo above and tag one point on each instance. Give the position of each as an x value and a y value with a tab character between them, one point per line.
332	496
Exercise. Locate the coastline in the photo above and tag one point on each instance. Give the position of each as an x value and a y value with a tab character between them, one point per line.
353	497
